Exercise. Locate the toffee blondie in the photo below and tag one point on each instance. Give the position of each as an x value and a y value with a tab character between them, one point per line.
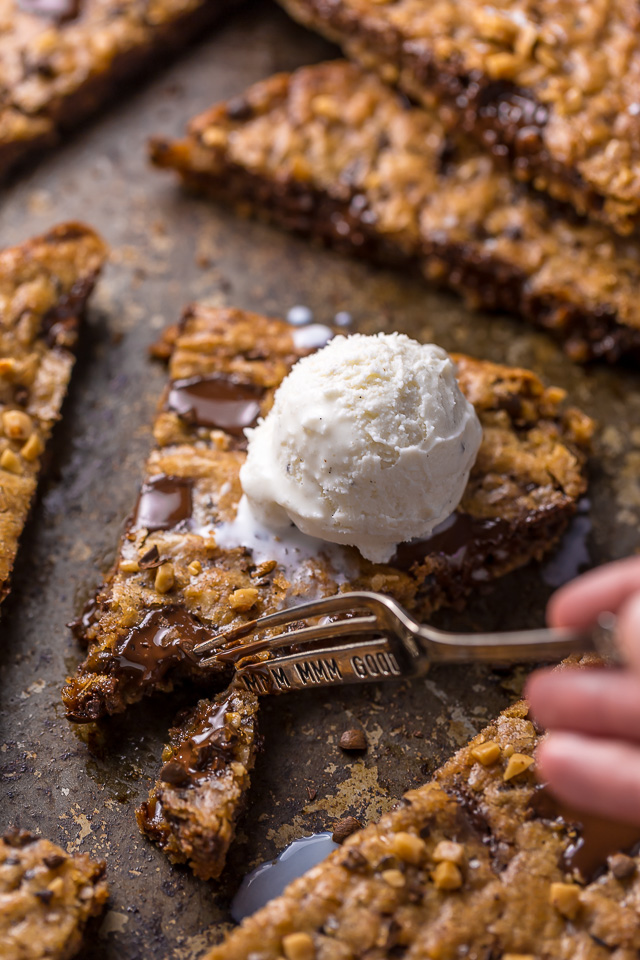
47	897
62	59
174	584
44	287
192	809
332	152
482	862
550	89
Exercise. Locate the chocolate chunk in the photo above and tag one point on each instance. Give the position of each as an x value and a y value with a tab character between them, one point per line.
164	502
621	866
344	828
353	740
54	860
218	402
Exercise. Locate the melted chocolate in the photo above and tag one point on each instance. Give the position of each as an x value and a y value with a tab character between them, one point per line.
460	534
164	639
591	839
205	751
217	402
87	618
163	503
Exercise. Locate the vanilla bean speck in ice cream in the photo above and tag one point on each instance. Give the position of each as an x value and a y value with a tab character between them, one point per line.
369	443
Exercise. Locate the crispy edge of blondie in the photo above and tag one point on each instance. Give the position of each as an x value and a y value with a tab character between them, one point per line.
45	284
587	323
47	896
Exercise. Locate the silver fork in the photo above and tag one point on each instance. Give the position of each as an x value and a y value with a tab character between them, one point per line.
406	649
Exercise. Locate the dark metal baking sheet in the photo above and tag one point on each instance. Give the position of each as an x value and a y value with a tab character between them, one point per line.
168	249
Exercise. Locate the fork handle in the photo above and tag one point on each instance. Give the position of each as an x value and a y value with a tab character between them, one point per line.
522	646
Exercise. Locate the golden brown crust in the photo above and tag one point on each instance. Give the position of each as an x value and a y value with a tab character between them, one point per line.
46	898
191	811
44	286
465	866
551	87
174	586
331	151
59	68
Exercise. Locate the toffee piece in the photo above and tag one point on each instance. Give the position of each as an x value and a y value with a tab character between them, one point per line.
360	169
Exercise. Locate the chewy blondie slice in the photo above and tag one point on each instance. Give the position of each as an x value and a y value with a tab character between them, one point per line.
479	863
46	898
332	152
44	287
62	59
548	88
174	585
192	809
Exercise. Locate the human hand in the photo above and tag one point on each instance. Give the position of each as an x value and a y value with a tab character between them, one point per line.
591	756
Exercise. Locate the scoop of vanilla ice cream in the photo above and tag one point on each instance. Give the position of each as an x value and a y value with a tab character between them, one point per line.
369	442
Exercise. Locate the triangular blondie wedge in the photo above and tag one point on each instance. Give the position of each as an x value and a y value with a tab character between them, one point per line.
332	152
481	863
63	59
47	897
549	89
174	584
44	287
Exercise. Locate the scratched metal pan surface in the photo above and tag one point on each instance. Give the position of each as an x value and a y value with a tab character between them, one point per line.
167	249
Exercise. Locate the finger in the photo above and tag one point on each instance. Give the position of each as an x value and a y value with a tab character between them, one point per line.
599	703
628	631
579	603
598	776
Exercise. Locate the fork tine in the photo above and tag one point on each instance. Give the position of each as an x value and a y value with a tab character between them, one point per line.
320	631
314	608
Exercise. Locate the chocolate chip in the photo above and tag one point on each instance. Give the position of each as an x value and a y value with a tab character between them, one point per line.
353	740
175	774
150	559
354	860
54	860
621	866
239	109
344	828
46	896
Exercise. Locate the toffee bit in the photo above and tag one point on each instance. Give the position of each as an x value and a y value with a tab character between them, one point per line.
151	559
312	793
